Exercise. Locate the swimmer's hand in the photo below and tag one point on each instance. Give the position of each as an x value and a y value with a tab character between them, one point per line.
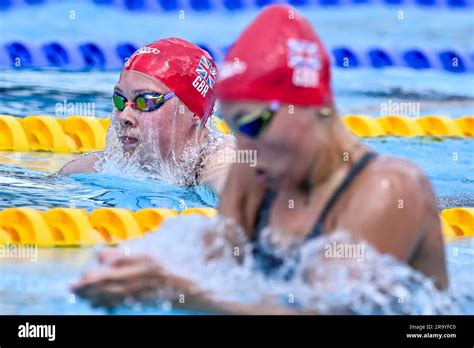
140	278
120	277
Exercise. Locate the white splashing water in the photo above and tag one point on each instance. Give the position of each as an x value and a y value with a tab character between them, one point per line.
181	168
378	285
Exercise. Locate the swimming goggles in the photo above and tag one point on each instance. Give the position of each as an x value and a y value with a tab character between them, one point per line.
146	102
253	125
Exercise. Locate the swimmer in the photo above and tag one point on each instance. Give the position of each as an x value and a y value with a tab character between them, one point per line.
162	102
312	177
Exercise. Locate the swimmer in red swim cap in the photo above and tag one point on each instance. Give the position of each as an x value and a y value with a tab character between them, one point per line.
162	102
275	93
312	179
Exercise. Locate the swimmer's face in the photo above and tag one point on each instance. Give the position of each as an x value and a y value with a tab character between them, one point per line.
160	132
281	156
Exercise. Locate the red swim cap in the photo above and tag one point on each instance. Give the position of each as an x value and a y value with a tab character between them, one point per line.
278	57
184	68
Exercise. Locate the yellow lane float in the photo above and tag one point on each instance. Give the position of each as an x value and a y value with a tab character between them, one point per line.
115	224
87	132
448	232
26	226
461	220
400	126
12	134
363	126
150	218
44	133
70	226
440	126
466	124
5	237
77	134
105	122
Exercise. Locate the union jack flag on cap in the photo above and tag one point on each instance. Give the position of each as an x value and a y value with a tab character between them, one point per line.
207	71
303	53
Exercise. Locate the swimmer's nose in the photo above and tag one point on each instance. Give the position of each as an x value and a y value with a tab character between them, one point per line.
127	118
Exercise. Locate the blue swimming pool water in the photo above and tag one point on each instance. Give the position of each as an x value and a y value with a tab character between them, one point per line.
25	181
362	25
41	287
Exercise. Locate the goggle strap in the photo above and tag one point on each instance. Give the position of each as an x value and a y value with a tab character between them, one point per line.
168	96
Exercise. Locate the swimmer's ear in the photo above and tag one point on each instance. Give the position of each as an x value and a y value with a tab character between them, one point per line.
197	121
325	112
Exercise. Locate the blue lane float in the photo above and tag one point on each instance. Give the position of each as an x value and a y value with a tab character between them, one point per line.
106	56
419	59
344	57
19	54
232	5
380	58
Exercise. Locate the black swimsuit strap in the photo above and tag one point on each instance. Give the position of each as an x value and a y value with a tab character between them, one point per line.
263	215
353	173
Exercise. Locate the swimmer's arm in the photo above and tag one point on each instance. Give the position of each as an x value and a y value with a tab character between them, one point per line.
205	303
201	300
85	163
139	277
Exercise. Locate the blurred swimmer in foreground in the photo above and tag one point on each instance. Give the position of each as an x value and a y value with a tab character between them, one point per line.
312	178
162	102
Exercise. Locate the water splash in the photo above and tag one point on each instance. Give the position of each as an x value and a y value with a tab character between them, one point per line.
160	156
378	285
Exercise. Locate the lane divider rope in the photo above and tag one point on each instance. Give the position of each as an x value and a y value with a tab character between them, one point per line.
78	134
67	227
74	56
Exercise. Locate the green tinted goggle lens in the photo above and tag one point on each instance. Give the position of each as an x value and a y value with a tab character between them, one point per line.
119	102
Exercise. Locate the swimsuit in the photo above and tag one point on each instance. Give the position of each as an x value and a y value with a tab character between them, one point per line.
267	259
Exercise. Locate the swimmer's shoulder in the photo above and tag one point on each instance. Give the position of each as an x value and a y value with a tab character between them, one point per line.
403	176
85	163
390	182
216	169
412	207
398	204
